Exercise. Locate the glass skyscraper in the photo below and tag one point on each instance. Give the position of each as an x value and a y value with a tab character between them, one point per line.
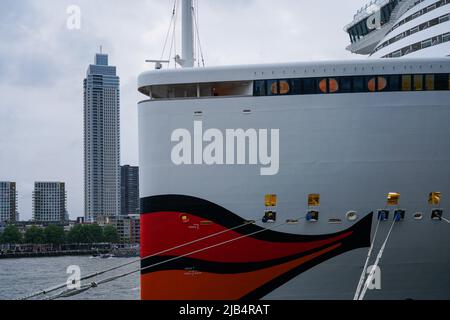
129	195
101	140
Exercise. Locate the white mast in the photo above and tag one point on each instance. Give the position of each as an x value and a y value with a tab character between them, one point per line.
187	60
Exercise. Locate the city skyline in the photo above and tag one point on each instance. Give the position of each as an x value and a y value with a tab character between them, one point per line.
42	129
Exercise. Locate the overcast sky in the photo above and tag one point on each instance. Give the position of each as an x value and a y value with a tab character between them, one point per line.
43	63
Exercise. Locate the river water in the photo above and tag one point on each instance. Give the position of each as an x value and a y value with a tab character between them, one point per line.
20	277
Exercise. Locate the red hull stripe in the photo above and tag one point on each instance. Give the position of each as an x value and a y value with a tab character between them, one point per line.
242	250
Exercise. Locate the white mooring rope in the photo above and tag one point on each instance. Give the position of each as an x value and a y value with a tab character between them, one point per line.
377	261
369	255
445	220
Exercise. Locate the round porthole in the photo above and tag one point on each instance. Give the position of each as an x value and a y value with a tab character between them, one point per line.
352	216
418	216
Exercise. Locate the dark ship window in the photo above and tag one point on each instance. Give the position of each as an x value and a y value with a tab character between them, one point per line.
383	215
399	215
312	216
437	214
270	217
259	88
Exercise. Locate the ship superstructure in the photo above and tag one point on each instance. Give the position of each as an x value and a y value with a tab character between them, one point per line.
400	28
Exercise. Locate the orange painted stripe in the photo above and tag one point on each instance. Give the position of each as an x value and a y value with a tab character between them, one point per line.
182	285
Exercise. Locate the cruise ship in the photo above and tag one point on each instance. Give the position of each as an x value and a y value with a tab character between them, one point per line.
301	181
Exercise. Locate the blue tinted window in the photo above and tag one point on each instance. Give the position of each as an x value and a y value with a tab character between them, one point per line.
359	84
296	86
259	88
272	87
393	83
310	86
345	85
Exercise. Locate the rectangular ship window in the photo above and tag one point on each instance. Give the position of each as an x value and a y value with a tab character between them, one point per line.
393	83
296	86
393	199
406	82
284	87
259	88
346	84
434	199
429	82
418	82
314	200
446	37
442	81
272	87
309	86
358	84
271	200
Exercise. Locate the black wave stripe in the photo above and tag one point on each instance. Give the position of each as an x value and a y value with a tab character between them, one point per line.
219	215
276	283
219	267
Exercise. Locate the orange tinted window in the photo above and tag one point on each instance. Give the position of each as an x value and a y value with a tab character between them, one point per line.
284	87
393	198
372	85
429	81
334	85
418	82
406	82
434	199
323	85
274	88
382	83
271	200
314	200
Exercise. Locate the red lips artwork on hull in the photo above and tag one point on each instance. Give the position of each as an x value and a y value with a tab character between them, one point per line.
234	260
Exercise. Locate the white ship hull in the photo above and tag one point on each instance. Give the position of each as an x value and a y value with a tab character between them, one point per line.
352	149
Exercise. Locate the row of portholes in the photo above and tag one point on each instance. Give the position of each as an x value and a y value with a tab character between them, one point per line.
382	215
